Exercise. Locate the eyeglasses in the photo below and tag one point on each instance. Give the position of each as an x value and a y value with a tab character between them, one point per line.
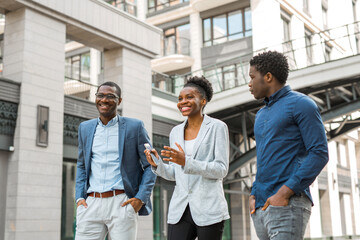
107	96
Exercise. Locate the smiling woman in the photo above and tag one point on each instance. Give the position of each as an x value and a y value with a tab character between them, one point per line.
198	158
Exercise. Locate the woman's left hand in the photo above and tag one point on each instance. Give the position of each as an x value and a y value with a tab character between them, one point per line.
174	155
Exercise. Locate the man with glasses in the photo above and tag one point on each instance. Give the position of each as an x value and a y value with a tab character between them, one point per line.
114	180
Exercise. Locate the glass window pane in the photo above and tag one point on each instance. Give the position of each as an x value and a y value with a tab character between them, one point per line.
286	30
151	3
242	74
85	66
183	39
236	36
207	44
170	31
206	29
229	77
215	78
248	20
248	33
170	45
235	22
219	26
68	68
75	67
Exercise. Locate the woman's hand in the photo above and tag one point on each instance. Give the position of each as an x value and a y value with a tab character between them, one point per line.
173	155
148	156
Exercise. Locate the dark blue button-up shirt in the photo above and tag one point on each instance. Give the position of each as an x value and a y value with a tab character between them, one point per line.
291	144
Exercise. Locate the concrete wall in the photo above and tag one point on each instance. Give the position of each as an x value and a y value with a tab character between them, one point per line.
34	56
4	158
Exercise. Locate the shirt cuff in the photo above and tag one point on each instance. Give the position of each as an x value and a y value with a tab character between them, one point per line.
79	199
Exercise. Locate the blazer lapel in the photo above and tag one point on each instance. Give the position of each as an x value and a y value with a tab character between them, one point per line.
89	143
122	133
181	139
205	126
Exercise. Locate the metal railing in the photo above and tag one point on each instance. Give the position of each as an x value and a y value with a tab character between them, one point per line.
125	5
325	46
81	89
156	5
172	45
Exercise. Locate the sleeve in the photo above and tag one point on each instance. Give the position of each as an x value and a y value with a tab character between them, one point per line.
80	172
166	171
253	188
148	178
218	167
308	119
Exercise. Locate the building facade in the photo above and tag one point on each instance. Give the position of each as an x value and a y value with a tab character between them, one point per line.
54	54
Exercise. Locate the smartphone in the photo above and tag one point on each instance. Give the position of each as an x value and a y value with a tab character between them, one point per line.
147	146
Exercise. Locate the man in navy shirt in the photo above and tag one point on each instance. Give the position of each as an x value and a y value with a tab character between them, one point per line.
291	148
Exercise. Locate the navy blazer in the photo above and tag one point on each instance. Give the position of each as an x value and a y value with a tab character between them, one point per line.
135	170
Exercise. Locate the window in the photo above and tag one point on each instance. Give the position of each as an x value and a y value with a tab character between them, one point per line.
128	6
77	67
226	27
286	39
156	5
308	45
177	40
354	10
227	77
325	17
306	8
327	53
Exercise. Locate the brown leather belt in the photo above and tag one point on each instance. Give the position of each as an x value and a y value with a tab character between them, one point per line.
106	194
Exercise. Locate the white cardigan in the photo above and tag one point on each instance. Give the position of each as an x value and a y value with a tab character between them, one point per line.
200	182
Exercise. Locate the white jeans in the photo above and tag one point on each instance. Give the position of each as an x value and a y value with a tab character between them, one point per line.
106	215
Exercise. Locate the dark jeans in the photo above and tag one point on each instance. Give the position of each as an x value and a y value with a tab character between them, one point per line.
186	229
283	223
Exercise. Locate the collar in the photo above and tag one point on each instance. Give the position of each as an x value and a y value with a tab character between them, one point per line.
277	95
111	123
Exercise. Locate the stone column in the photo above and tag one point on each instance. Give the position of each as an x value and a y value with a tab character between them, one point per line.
333	184
132	72
34	56
314	225
196	40
354	184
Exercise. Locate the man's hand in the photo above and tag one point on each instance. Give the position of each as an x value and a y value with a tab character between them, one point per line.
174	155
252	204
281	198
135	203
82	202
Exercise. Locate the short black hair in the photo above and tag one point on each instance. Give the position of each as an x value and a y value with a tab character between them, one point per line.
111	84
274	62
203	86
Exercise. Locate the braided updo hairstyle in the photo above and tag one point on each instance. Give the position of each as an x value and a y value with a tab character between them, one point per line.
202	85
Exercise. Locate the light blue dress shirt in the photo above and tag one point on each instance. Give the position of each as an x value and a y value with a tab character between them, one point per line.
105	163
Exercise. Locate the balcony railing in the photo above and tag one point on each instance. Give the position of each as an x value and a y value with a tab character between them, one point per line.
318	48
128	6
172	45
81	89
157	5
